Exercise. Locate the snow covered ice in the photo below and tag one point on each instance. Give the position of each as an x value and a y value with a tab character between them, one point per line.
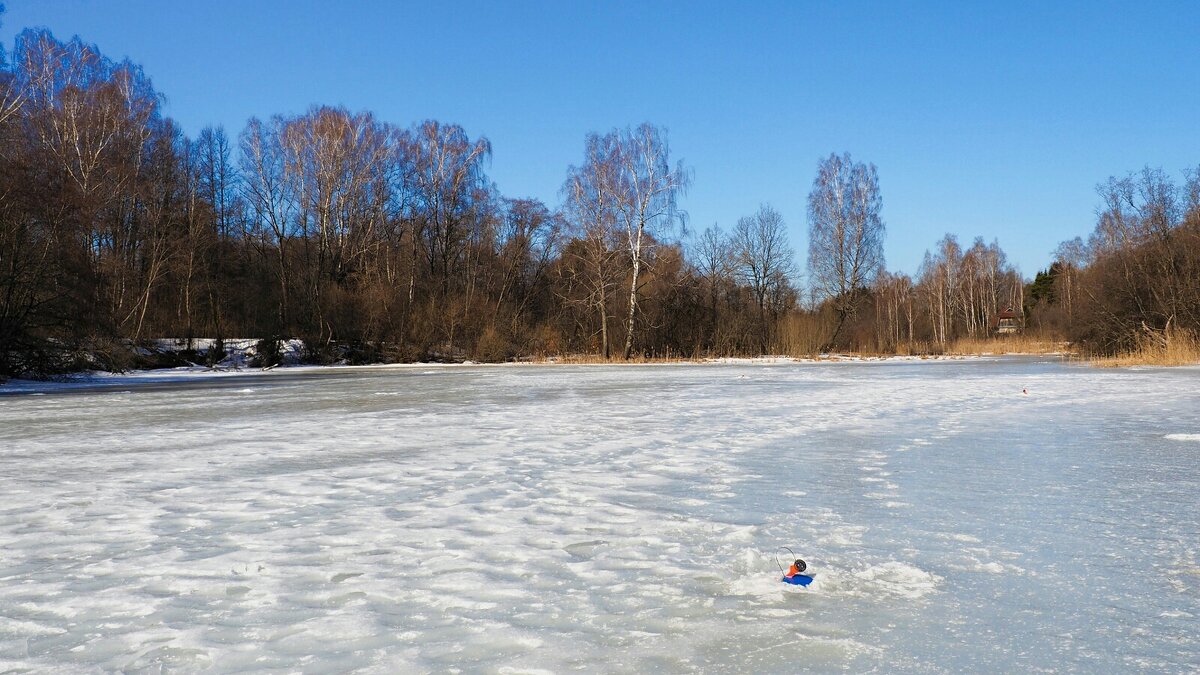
612	519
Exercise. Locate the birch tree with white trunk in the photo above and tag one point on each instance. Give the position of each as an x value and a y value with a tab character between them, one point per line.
647	189
845	246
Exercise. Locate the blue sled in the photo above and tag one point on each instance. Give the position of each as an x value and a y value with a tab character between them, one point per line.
798	580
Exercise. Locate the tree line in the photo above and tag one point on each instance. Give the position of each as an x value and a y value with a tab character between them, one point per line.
1135	281
371	241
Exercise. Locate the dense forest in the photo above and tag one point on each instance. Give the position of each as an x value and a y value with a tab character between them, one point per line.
372	241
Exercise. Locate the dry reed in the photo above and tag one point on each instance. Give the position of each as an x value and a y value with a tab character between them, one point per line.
1173	347
592	359
1007	344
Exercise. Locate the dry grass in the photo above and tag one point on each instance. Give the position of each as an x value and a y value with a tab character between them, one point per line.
802	335
1175	347
801	340
1008	344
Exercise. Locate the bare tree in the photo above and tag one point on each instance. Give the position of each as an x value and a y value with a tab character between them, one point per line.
217	177
591	192
216	193
939	278
95	120
270	199
763	259
1144	262
1072	256
333	160
715	265
894	311
845	245
12	95
647	188
529	240
448	168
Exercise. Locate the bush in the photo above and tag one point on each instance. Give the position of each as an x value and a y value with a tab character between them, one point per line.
362	353
216	353
492	347
266	353
319	352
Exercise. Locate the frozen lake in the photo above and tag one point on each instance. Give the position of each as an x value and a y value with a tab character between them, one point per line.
613	519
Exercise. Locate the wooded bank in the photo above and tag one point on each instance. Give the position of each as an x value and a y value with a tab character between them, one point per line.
372	241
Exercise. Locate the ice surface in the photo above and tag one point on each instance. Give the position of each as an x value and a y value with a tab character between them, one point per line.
615	519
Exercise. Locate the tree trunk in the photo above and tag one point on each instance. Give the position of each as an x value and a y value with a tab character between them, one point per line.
842	313
604	348
637	266
602	305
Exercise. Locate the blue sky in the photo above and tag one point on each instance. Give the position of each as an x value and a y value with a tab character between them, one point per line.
992	119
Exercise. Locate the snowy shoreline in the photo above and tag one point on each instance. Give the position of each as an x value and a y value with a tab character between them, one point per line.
180	375
161	361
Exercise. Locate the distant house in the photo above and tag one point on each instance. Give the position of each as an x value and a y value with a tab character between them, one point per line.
1007	322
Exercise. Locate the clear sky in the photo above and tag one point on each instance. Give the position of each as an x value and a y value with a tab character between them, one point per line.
992	119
